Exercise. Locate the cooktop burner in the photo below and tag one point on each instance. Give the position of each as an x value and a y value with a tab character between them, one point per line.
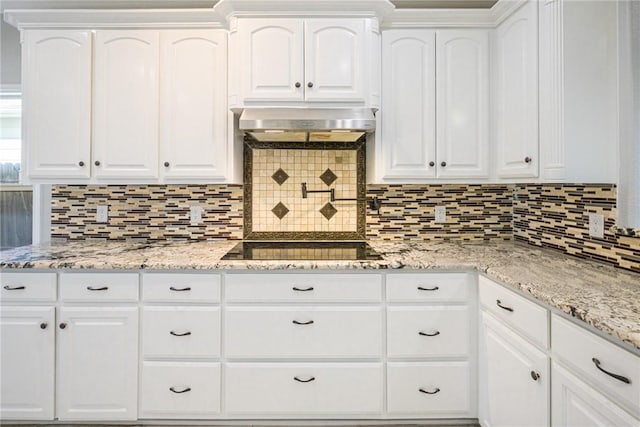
299	251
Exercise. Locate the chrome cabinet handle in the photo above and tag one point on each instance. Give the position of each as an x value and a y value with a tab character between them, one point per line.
63	325
102	288
176	334
424	334
166	164
310	84
437	390
81	163
14	288
527	159
184	390
309	322
432	164
435	288
611	374
297	84
443	164
499	304
171	288
535	376
304	381
97	163
44	325
295	288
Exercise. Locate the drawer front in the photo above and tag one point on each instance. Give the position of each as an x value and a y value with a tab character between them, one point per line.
18	286
437	389
181	288
577	348
179	390
99	287
303	287
428	331
304	389
180	332
526	316
312	332
426	287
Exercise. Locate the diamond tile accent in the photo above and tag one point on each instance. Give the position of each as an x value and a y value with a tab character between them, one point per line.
328	211
280	210
280	176
328	177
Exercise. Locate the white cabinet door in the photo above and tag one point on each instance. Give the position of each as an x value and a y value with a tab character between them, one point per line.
516	94
27	344
514	378
575	404
272	59
126	104
193	104
57	103
462	103
408	104
334	60
97	363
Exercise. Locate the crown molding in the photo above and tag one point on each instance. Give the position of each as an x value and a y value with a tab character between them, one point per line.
116	18
505	8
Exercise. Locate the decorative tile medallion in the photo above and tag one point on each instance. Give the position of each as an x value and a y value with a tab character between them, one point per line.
328	177
280	176
328	211
280	210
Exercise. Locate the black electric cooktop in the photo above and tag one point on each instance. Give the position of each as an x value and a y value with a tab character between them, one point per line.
302	251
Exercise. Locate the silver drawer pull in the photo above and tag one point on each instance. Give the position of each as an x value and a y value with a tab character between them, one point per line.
308	322
14	288
295	288
504	307
421	390
102	288
172	288
178	334
424	334
435	288
184	390
611	374
305	381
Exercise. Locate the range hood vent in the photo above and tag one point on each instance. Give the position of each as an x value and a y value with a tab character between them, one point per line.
307	125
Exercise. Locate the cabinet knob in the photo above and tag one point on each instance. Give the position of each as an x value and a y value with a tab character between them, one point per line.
527	159
63	325
166	164
443	164
310	84
535	376
44	325
97	163
432	164
81	163
297	84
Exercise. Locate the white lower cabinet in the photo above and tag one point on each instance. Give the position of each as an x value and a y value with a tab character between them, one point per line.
97	363
304	389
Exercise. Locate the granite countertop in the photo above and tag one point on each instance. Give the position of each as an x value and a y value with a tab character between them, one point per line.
605	297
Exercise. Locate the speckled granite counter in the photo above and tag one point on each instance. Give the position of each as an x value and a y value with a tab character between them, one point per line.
602	296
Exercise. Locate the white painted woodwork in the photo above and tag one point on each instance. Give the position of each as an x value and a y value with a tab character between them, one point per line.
181	288
125	104
576	347
408	104
196	332
193	104
516	93
27	362
56	83
28	287
448	327
97	363
448	381
511	395
99	287
462	122
269	389
201	401
272	59
576	404
334	60
321	288
428	287
529	318
331	332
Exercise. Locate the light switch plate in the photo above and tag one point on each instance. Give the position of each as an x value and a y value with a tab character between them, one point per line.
195	215
596	225
102	213
441	214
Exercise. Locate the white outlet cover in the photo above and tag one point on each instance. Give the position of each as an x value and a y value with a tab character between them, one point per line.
596	225
102	213
441	214
195	215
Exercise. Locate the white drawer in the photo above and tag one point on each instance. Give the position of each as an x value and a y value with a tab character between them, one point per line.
99	287
577	348
18	286
179	390
435	389
180	332
311	332
267	287
428	331
427	287
529	318
304	389
181	287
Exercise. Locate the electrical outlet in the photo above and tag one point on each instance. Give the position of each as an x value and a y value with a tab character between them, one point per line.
441	214
102	213
596	225
195	215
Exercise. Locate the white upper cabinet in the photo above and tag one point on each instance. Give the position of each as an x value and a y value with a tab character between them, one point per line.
125	114
516	93
193	104
57	103
408	104
462	63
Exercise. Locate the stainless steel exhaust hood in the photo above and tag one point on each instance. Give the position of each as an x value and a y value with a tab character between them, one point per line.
302	125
